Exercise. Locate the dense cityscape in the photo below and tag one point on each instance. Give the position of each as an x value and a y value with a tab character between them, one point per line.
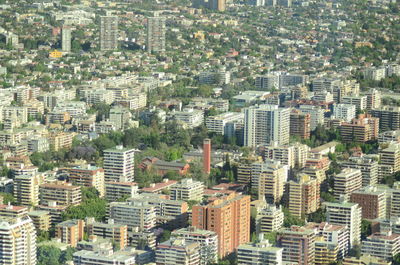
210	132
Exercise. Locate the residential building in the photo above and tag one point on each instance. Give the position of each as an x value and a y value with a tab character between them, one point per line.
40	219
70	232
26	189
60	192
359	101
218	123
17	241
389	117
344	112
156	29
119	164
117	233
368	166
390	156
269	219
316	115
120	116
229	217
259	253
347	214
105	257
178	251
190	118
187	190
374	99
372	201
108	33
135	214
298	245
266	123
118	190
345	183
66	39
363	129
269	181
86	176
336	235
300	124
303	196
208	241
170	213
381	245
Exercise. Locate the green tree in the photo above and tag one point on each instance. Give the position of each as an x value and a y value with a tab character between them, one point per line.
48	255
365	229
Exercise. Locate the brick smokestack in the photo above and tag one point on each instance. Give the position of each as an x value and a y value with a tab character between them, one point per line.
207	155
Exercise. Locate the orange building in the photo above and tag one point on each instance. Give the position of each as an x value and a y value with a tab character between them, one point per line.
229	217
70	232
361	130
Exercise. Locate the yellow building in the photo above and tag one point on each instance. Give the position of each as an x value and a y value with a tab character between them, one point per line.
325	252
200	35
55	54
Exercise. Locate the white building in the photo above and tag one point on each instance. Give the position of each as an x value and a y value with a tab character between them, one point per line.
359	101
347	214
259	253
218	123
119	164
382	245
344	112
17	241
190	117
264	124
187	189
316	113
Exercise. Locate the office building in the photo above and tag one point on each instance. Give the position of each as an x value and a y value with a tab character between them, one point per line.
347	214
300	124
389	117
269	219
66	39
26	189
156	29
187	190
119	164
108	33
259	253
208	241
298	245
70	232
17	241
344	112
345	183
229	217
372	201
381	245
266	123
303	196
117	233
60	192
135	214
178	251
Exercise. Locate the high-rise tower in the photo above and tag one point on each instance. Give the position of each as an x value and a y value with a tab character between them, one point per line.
108	33
155	34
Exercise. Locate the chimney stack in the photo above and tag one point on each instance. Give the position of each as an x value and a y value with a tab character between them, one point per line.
207	155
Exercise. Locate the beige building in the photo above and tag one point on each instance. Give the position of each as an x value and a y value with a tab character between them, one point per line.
60	192
26	189
390	156
187	190
346	182
269	219
41	220
271	181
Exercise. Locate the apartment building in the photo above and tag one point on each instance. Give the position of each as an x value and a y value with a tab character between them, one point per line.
389	117
269	219
117	233
348	181
187	190
60	192
178	251
70	232
118	190
368	166
26	189
218	123
300	124
119	164
372	202
86	176
259	253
